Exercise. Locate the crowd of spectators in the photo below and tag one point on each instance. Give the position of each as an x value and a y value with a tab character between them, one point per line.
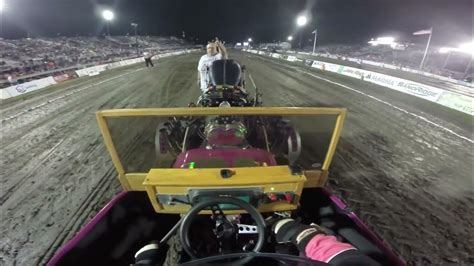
456	66
22	60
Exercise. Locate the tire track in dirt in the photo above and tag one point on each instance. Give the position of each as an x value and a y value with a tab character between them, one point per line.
45	157
130	146
76	108
69	189
401	175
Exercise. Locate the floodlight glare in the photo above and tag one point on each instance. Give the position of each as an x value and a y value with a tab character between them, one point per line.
290	38
385	40
246	44
373	42
444	50
2	5
108	15
250	39
301	21
467	48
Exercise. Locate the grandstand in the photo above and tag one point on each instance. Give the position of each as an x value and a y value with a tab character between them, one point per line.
456	66
27	59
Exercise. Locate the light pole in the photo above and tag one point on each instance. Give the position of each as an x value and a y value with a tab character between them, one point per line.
315	37
135	25
301	21
468	67
108	16
445	50
2	7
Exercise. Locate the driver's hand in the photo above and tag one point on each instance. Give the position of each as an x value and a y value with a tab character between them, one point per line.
288	230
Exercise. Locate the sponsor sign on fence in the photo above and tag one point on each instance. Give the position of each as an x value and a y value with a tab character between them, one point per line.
389	66
26	87
114	65
62	77
353	72
319	65
91	71
461	103
406	86
410	87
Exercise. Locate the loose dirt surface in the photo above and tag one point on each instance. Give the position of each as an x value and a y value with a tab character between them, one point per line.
410	180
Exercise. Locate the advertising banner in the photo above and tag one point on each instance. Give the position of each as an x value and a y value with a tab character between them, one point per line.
414	88
456	101
26	87
61	78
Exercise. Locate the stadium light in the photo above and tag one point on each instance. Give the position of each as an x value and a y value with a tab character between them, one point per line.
250	40
301	21
444	50
2	8
290	38
384	40
108	15
467	48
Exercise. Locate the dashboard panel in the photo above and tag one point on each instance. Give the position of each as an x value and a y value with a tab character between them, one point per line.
268	188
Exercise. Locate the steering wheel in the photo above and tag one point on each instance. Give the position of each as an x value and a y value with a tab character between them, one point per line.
226	226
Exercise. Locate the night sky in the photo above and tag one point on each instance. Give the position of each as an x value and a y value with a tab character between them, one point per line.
338	21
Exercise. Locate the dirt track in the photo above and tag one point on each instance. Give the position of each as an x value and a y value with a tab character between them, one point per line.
408	179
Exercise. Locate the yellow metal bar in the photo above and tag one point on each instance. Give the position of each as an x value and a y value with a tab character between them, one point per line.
313	178
198	111
135	180
324	178
203	177
334	140
112	151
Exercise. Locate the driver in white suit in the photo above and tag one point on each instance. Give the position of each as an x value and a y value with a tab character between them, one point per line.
215	51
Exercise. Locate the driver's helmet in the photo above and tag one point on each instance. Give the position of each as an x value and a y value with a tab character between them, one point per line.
225	73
